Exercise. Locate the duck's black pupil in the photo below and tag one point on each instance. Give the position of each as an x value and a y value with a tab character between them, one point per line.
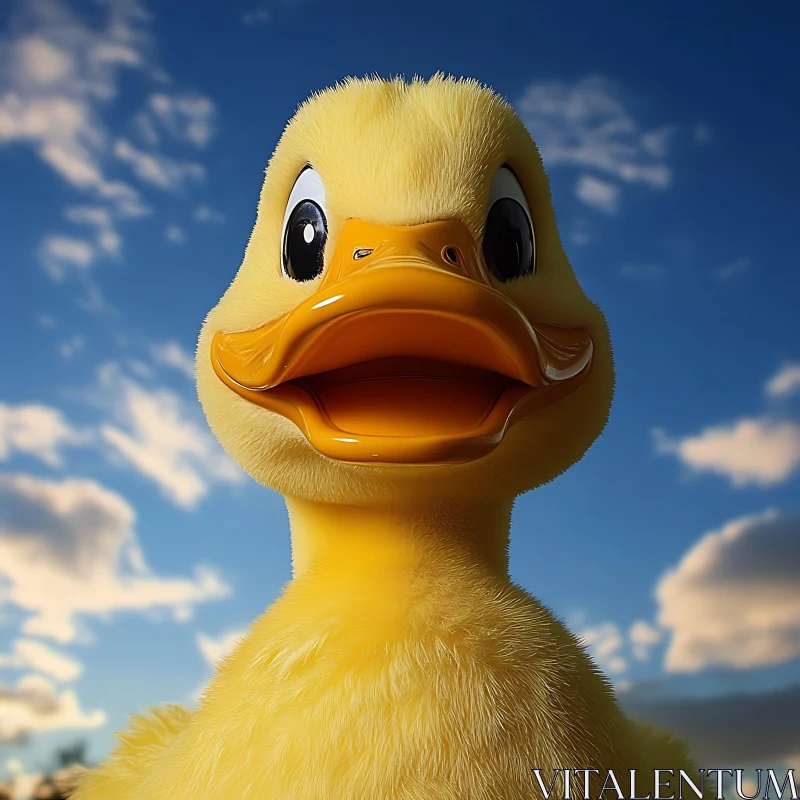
508	245
304	241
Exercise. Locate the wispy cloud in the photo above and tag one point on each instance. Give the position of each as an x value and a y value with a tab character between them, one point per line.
188	117
153	430
30	654
37	430
643	637
58	76
785	382
605	642
171	354
62	254
734	598
155	433
205	213
59	73
69	551
598	194
587	125
612	648
161	171
107	240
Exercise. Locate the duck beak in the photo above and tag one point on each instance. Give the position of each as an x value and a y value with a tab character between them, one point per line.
406	354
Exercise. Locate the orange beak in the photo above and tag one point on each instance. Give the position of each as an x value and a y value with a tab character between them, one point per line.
406	354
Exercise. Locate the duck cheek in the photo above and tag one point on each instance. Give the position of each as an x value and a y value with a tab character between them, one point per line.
543	445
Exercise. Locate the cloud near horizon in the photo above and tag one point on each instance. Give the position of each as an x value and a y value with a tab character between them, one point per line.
34	705
734	599
732	730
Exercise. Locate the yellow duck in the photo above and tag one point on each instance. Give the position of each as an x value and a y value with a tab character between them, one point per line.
404	350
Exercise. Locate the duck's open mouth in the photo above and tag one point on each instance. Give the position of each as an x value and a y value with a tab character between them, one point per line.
410	397
409	363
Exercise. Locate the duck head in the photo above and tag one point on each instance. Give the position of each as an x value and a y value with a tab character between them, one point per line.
405	323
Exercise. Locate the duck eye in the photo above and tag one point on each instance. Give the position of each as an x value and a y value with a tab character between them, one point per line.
305	228
509	246
304	241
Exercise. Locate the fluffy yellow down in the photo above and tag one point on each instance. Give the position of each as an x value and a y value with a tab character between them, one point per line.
439	680
401	662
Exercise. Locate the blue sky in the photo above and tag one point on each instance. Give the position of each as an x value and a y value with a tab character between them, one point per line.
133	140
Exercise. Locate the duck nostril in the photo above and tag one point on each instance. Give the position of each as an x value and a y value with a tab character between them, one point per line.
362	252
452	255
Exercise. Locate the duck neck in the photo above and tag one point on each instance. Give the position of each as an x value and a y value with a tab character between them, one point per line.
369	543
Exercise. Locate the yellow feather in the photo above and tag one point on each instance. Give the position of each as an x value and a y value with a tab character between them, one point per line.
401	661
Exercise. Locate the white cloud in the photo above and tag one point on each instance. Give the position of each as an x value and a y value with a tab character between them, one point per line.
785	382
734	598
174	234
57	73
107	238
34	705
72	346
68	551
611	648
166	173
598	194
642	270
163	439
215	648
643	637
186	117
42	62
586	125
207	214
153	430
62	254
30	654
760	452
736	267
171	354
605	642
36	430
